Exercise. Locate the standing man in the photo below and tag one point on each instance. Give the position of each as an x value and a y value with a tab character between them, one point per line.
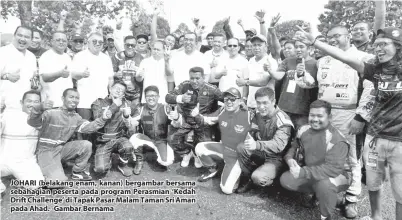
110	49
17	67
179	63
195	98
76	45
56	128
318	160
36	44
54	70
94	72
210	41
260	157
152	72
215	57
234	124
142	46
295	100
258	74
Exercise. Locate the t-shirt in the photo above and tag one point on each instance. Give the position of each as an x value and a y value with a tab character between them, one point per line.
234	127
37	51
96	85
181	64
154	74
210	57
51	62
293	98
236	67
256	71
12	60
205	48
386	121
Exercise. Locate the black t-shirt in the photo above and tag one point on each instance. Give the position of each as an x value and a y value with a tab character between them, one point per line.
386	120
205	48
294	99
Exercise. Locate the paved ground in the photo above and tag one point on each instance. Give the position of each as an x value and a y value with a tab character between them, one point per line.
272	203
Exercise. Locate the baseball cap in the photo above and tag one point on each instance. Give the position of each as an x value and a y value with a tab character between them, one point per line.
259	37
232	91
252	30
77	37
144	36
109	36
395	34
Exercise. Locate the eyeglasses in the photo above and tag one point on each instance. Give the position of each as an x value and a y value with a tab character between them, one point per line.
110	40
61	41
336	36
359	29
151	96
78	41
96	42
210	38
231	99
189	40
381	45
230	46
141	42
129	45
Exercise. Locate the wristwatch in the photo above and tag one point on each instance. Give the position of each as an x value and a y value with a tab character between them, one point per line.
247	82
4	76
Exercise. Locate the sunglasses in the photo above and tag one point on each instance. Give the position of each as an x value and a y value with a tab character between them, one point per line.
130	45
141	42
231	99
78	41
96	42
110	40
230	46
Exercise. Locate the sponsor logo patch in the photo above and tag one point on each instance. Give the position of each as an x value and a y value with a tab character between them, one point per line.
224	124
239	128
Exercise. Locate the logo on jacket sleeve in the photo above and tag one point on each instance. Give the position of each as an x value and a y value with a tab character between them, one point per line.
239	128
224	124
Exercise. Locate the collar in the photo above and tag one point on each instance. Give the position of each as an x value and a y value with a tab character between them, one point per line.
64	109
217	54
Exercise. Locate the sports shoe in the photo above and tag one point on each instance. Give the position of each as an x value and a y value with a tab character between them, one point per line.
138	167
125	170
83	176
186	159
248	184
197	162
206	176
350	210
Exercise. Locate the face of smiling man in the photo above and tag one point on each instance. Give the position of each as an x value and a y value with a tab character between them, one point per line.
22	38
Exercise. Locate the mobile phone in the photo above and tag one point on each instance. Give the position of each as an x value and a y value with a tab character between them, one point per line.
299	60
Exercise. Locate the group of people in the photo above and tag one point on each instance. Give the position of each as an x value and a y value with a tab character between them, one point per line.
294	109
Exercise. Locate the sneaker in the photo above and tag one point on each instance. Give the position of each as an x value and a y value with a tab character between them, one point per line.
186	159
125	170
83	176
206	176
138	167
350	210
197	162
245	187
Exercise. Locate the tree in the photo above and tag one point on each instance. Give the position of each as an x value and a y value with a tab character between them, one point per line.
218	27
288	28
142	25
348	13
181	29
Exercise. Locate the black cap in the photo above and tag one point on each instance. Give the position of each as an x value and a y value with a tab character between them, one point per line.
395	34
232	91
77	37
144	36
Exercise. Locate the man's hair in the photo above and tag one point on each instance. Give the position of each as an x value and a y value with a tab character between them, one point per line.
181	36
219	35
158	41
95	34
192	33
210	35
368	24
247	40
24	27
197	69
265	91
119	82
234	38
283	39
34	92
321	104
34	30
58	32
338	26
69	89
290	42
152	89
129	37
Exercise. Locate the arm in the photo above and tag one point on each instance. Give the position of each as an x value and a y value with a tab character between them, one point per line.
333	166
50	77
291	152
37	117
63	16
363	111
306	82
97	110
278	143
154	25
228	30
280	72
275	44
379	16
175	96
260	82
87	127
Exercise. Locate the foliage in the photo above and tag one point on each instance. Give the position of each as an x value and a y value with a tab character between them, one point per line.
181	30
218	27
288	28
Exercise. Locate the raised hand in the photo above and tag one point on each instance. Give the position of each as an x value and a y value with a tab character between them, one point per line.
260	15
304	37
157	11
226	21
173	114
240	22
300	68
196	21
107	114
126	110
63	15
47	103
275	20
249	143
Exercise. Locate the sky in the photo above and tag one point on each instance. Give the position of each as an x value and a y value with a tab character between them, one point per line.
210	11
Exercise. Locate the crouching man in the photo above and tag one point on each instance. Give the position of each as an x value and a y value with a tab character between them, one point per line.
154	121
18	142
56	128
234	124
271	128
113	137
322	152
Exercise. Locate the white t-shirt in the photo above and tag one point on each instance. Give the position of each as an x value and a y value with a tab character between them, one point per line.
154	74
219	58
181	64
12	60
96	85
51	62
236	67
256	71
